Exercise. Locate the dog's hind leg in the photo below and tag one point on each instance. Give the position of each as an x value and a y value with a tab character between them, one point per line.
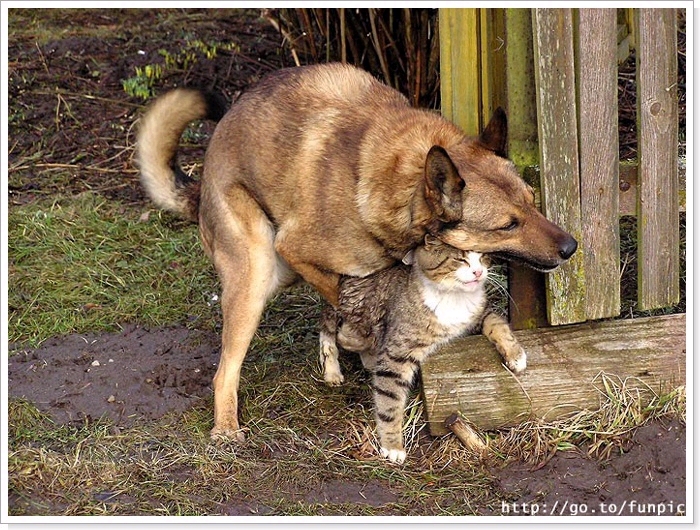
239	238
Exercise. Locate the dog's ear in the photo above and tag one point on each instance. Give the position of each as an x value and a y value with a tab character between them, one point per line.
495	136
443	185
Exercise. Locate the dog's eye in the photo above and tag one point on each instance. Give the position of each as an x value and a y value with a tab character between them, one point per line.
513	224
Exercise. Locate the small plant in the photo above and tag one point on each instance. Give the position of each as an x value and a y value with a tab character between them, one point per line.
142	85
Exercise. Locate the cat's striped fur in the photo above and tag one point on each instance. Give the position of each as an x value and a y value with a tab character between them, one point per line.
397	317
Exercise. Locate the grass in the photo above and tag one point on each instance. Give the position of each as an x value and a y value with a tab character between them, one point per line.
164	468
84	264
80	264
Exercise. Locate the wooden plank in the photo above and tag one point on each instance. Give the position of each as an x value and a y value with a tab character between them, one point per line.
528	294
563	365
460	68
520	89
559	161
495	47
596	73
657	115
627	184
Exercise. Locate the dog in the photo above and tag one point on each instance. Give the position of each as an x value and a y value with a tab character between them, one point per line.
321	171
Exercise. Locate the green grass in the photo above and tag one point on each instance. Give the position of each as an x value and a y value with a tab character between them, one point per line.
79	264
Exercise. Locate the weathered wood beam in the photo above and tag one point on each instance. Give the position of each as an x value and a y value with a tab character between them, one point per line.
657	116
596	77
559	161
563	363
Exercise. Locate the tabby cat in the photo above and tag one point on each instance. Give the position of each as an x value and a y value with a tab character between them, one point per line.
395	318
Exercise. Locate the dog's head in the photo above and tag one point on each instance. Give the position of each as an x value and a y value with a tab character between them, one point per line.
483	204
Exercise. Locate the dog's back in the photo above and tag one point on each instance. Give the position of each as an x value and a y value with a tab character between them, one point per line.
304	140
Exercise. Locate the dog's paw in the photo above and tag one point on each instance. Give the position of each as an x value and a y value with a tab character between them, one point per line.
219	435
396	456
518	362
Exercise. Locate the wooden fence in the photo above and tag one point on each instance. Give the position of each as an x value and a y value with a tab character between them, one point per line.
555	73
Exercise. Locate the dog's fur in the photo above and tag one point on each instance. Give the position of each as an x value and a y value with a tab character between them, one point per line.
320	171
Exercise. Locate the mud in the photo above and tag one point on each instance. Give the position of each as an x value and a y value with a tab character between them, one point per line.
140	374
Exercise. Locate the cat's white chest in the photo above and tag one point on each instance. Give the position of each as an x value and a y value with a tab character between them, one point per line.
454	309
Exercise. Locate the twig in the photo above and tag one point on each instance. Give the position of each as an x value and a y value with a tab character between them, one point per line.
43	59
466	434
377	47
343	45
86	96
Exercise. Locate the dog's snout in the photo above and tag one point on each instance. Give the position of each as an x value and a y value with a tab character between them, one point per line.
567	249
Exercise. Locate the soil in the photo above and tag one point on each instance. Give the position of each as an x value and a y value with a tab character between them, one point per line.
140	374
68	109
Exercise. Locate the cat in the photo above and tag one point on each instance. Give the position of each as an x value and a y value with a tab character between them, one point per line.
395	318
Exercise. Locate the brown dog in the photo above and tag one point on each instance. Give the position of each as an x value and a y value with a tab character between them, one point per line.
320	171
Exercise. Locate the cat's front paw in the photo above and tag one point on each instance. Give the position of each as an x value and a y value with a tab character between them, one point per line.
518	362
333	378
396	456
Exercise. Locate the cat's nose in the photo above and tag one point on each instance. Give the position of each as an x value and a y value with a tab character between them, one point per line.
478	273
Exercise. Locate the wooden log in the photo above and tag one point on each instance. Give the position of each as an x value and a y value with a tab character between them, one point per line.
596	72
563	365
466	434
559	161
657	115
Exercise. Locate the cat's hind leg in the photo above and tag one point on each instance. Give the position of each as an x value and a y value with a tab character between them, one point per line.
328	347
392	380
497	330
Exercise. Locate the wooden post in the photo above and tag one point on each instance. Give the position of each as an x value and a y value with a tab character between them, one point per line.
657	115
528	295
520	89
598	155
460	67
559	162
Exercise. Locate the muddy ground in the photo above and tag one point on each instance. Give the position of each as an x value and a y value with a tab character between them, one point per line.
142	374
68	107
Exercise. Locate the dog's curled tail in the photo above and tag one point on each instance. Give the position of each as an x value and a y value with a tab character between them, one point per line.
156	149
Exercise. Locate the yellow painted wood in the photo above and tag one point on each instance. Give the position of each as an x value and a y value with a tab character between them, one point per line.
460	67
486	64
520	88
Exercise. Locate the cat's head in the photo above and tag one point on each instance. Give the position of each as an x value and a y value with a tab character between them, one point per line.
448	266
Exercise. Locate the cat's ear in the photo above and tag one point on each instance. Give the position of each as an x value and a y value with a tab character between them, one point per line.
409	258
431	241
